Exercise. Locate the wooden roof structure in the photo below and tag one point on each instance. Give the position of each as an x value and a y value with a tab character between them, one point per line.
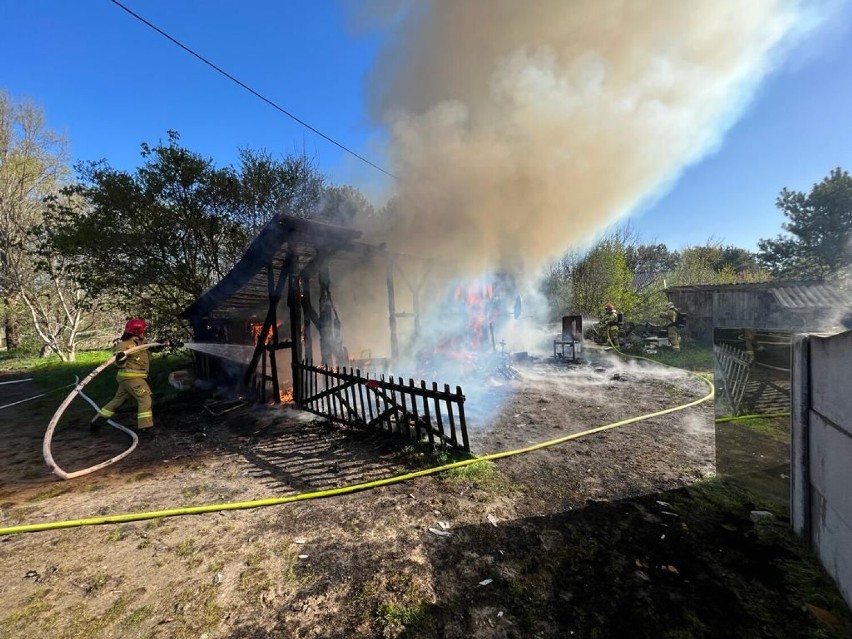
286	243
280	263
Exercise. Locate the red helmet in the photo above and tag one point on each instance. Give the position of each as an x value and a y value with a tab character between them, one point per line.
135	326
609	307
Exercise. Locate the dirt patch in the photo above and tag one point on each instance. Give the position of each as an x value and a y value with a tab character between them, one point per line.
572	540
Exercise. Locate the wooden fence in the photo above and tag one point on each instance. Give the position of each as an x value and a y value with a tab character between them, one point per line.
415	410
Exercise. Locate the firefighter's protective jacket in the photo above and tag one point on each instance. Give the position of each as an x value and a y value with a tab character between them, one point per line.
610	318
135	365
670	315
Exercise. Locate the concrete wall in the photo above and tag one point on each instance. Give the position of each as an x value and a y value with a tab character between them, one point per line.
821	453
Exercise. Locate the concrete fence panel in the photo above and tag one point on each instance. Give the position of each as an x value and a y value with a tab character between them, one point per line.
821	454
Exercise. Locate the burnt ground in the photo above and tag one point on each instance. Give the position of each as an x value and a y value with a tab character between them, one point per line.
623	533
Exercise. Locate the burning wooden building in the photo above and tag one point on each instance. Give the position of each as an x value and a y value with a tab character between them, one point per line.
271	327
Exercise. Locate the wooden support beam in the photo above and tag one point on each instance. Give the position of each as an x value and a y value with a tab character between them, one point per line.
414	288
309	315
294	302
273	356
394	340
326	317
267	322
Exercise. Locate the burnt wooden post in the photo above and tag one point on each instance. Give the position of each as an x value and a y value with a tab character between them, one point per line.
415	300
391	308
294	301
308	311
273	353
414	288
326	317
274	298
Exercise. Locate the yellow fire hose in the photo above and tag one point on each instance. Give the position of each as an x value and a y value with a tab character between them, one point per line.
273	501
78	390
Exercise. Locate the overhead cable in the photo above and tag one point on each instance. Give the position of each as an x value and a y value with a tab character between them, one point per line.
250	90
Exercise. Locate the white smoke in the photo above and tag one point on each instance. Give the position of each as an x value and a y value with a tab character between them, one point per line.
520	129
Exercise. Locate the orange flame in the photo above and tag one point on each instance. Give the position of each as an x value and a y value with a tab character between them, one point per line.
254	331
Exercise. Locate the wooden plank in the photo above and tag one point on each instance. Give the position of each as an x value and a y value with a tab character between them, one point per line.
427	416
329	390
438	420
394	341
361	397
414	407
451	417
462	423
294	303
307	312
349	393
402	395
264	331
273	358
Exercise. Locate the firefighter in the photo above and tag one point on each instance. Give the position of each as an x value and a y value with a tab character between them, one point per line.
132	377
608	326
670	316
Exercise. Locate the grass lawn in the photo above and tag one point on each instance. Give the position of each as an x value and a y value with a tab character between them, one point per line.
56	377
692	358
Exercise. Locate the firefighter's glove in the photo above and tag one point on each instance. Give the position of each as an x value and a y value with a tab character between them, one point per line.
120	357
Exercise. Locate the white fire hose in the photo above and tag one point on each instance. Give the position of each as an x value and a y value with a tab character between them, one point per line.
78	390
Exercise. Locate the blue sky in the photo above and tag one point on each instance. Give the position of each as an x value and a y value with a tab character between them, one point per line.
110	83
791	135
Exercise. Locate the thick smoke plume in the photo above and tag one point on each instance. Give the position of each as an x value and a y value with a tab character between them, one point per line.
520	129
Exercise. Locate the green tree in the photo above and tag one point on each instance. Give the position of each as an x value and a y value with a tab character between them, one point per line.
602	275
152	240
269	185
739	260
713	263
344	206
634	276
62	311
556	287
651	259
819	231
156	238
34	285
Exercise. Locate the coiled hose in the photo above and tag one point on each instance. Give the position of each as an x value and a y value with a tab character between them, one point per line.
78	390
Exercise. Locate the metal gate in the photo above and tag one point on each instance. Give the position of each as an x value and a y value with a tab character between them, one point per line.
347	397
735	365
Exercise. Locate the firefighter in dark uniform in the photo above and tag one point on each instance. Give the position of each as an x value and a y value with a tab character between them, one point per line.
670	316
132	377
608	326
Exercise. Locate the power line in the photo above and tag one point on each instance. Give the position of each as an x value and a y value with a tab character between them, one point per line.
250	90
